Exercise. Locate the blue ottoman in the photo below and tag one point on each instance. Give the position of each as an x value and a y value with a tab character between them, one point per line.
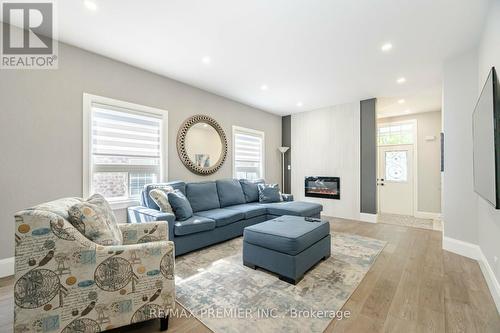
288	246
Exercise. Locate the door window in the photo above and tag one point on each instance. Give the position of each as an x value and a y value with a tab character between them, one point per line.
396	166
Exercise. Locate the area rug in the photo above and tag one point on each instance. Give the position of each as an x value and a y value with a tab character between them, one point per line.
215	287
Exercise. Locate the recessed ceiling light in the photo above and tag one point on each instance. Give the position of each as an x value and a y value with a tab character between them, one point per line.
401	80
386	47
206	60
91	5
401	101
264	87
299	104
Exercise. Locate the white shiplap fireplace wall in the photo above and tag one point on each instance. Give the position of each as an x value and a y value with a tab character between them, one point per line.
325	142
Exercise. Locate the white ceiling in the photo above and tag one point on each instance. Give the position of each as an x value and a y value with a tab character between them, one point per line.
318	52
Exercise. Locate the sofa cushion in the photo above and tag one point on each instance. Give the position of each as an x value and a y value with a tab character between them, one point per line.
269	193
298	208
250	189
202	196
230	192
147	201
193	225
250	209
160	197
180	205
222	216
286	234
95	219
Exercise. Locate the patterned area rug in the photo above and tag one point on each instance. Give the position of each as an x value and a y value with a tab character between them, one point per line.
226	296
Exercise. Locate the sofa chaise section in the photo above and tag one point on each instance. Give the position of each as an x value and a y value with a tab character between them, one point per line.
221	210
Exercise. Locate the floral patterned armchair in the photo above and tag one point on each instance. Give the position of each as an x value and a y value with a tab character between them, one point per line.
67	283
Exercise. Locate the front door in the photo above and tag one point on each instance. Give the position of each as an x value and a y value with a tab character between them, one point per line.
395	179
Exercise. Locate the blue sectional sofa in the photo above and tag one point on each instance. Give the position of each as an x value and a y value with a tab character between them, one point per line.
222	209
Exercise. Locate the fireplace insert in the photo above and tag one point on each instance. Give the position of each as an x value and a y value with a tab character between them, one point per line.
322	187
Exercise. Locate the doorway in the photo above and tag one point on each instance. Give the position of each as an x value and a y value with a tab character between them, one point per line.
395	179
397	167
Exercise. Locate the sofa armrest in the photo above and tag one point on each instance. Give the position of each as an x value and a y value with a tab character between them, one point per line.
138	233
140	214
287	197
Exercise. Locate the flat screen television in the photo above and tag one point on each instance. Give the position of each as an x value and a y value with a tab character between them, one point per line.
486	141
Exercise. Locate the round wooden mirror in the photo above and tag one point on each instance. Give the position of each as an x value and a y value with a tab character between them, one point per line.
202	144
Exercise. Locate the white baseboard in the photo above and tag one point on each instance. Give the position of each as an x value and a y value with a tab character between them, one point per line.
6	267
473	251
491	280
427	215
372	218
462	248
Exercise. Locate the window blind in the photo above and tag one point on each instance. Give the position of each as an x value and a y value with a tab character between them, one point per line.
126	151
248	154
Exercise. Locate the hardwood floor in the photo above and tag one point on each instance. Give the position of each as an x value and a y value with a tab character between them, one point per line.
414	286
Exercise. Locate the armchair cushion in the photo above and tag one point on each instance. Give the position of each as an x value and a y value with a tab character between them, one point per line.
139	233
95	219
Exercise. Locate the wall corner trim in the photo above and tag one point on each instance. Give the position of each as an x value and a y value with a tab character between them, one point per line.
473	251
365	217
6	267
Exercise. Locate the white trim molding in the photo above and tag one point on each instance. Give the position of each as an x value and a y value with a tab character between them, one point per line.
365	217
427	215
87	103
473	251
6	267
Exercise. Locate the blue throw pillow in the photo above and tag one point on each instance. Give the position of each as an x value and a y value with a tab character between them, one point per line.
269	193
250	189
180	205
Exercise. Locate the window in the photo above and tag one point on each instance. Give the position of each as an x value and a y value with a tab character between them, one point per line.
248	153
395	134
396	166
124	148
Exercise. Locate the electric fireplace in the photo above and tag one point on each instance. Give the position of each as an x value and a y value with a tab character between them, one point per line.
322	187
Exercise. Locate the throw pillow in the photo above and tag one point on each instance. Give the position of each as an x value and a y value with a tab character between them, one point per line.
269	193
95	219
250	189
160	197
180	205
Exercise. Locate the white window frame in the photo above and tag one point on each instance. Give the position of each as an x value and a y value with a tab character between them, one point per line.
253	132
88	100
413	122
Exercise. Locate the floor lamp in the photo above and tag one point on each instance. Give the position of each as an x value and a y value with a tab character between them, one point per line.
283	150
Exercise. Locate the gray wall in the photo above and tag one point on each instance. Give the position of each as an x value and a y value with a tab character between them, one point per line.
286	141
488	218
368	150
428	155
41	126
459	98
